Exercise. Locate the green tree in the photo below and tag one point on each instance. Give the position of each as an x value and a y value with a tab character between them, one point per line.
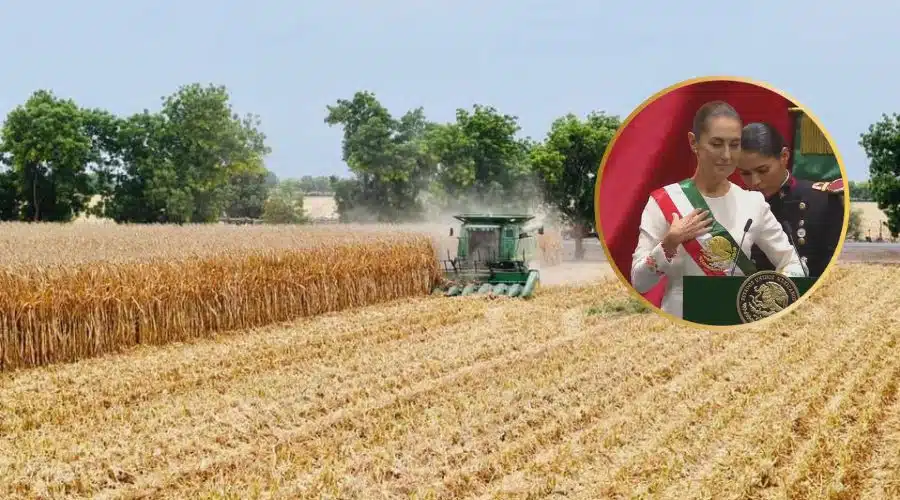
859	191
348	198
191	162
387	157
9	195
248	190
882	145
49	148
315	184
144	184
480	159
208	143
285	204
566	165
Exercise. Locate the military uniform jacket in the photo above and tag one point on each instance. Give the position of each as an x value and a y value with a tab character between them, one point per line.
812	213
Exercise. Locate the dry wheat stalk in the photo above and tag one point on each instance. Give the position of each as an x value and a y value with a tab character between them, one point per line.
133	285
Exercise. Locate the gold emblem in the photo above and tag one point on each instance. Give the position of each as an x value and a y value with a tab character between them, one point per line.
719	253
765	293
802	205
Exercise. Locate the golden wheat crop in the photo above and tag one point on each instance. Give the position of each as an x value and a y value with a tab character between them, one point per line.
572	394
68	293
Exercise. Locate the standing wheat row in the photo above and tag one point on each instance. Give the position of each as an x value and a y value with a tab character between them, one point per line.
60	314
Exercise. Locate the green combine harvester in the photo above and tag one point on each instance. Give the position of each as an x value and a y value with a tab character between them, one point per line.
492	257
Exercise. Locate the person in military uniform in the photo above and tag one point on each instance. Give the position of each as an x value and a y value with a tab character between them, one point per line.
811	213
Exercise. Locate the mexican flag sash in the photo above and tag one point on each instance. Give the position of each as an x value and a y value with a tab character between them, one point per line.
716	251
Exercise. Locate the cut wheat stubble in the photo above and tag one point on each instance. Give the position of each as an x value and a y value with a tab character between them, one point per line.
309	433
580	402
657	422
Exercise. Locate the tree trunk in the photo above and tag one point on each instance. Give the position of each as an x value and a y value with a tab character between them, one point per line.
34	195
578	234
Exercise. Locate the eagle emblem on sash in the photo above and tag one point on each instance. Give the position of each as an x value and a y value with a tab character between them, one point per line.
719	253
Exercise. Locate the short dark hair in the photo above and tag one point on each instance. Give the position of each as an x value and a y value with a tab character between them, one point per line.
762	138
709	110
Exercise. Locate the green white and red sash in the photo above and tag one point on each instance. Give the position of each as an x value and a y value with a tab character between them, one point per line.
684	197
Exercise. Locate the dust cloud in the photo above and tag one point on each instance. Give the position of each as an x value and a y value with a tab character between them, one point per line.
555	256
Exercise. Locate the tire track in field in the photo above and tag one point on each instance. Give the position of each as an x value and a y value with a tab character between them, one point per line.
417	394
726	465
615	434
196	431
147	413
526	431
214	363
662	459
882	473
859	406
730	471
552	439
811	431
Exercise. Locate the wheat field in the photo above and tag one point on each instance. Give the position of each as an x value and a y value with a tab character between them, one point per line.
69	292
572	394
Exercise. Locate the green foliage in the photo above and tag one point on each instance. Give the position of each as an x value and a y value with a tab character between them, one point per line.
285	204
566	165
480	160
320	184
191	162
882	145
387	157
860	191
854	225
47	144
628	305
9	197
247	190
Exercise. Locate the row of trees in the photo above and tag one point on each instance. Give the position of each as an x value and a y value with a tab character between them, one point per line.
195	160
191	161
405	166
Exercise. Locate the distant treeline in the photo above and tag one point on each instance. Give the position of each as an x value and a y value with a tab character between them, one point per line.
196	160
860	191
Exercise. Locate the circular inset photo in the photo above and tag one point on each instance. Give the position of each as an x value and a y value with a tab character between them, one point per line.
721	202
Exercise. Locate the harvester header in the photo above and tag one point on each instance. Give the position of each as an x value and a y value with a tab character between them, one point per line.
492	257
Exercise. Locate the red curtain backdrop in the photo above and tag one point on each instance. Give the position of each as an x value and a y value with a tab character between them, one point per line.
653	151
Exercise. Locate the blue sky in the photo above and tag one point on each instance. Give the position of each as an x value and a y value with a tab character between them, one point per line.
538	60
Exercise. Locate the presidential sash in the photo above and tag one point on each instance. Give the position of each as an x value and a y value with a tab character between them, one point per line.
714	252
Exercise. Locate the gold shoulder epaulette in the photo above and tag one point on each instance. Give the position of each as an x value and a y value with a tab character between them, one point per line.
835	186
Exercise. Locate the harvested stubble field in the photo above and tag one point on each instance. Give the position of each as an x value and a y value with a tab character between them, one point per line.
571	394
69	292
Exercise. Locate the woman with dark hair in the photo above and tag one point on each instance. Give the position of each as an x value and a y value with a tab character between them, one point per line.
811	213
692	227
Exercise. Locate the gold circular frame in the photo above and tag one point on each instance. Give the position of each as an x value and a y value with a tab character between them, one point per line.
741	326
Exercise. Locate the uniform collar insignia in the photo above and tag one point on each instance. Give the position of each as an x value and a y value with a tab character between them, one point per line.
786	186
